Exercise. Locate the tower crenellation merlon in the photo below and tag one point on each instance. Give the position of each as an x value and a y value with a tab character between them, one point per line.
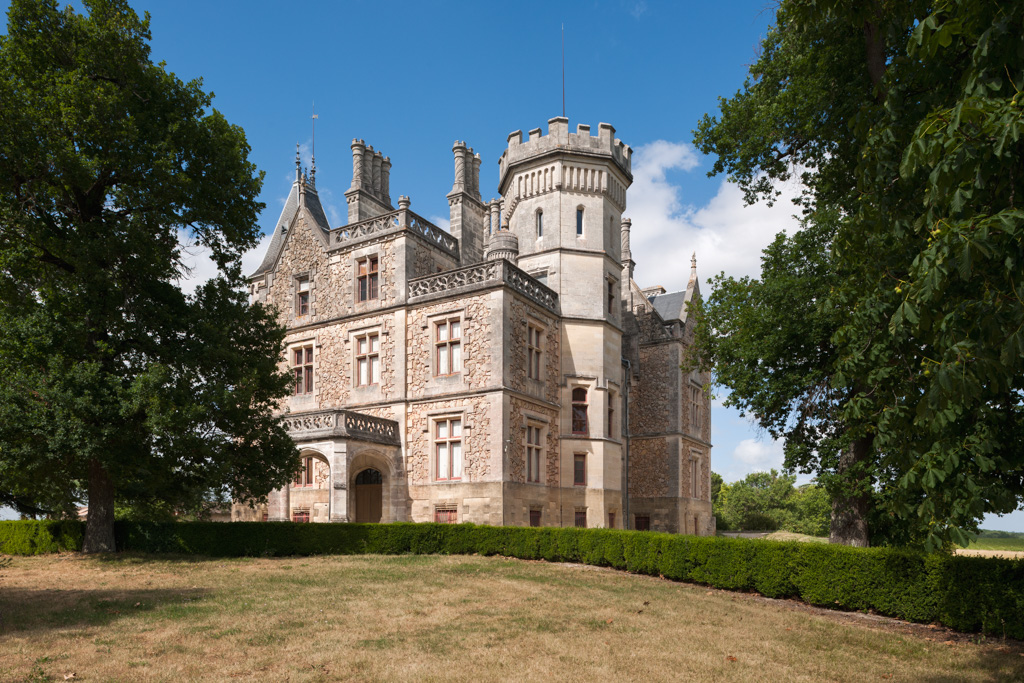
560	139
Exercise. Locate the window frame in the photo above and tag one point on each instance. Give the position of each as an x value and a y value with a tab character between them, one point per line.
449	348
639	525
579	469
536	516
579	221
446	514
580	516
448	443
540	223
367	279
534	350
370	356
534	440
579	417
301	363
306	476
302	291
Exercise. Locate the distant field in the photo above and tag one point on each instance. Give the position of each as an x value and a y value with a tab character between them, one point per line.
440	618
987	543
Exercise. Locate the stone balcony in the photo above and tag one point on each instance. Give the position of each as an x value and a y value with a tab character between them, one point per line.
329	424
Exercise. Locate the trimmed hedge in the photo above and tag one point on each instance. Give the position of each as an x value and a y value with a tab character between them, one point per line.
964	593
28	537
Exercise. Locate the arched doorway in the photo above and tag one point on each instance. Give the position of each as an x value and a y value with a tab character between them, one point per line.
368	488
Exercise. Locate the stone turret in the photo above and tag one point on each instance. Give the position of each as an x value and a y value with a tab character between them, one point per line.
466	207
503	245
370	194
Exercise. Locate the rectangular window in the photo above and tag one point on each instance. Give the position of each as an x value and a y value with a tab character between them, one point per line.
579	411
302	367
581	518
367	360
611	520
302	296
533	337
579	221
367	283
642	522
305	475
534	517
448	449
447	515
448	347
533	450
579	469
611	415
299	515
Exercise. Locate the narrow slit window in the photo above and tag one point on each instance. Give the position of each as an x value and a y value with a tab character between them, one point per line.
579	221
302	297
540	224
579	469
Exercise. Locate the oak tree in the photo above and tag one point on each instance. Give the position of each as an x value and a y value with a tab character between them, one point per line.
117	386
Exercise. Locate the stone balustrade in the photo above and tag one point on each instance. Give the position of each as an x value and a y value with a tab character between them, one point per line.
395	221
341	423
480	276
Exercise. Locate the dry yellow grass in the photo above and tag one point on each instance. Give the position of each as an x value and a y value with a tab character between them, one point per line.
439	618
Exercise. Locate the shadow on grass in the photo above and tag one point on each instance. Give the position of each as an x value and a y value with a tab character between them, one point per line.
28	610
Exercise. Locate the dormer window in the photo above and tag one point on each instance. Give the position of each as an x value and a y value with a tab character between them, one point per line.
302	296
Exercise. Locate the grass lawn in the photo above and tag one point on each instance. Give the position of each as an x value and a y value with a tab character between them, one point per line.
440	618
983	543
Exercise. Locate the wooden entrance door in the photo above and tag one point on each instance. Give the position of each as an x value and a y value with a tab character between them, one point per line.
369	484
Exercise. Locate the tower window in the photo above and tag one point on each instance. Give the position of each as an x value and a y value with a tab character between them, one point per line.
540	224
533	347
579	469
579	411
579	221
611	296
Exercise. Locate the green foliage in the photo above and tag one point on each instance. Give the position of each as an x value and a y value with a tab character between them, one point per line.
965	593
769	501
905	120
117	386
28	537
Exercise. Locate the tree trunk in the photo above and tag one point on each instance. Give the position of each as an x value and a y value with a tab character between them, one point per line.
849	524
99	524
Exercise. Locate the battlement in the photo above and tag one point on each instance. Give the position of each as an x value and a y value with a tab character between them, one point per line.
559	139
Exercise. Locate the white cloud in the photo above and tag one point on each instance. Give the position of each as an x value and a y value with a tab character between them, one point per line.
201	267
441	222
726	235
759	455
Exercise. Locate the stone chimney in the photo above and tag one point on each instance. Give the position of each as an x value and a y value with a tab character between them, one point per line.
467	210
370	193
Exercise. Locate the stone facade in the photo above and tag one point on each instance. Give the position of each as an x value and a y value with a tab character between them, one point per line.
508	372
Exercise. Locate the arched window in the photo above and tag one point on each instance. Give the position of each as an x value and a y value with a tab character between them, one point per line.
540	223
579	411
579	221
370	476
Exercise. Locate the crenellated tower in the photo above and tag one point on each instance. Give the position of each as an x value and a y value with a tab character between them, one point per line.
563	195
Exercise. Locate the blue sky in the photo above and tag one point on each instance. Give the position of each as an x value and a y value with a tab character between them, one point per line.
410	78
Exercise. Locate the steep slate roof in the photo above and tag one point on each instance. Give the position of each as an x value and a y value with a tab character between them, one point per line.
291	205
670	306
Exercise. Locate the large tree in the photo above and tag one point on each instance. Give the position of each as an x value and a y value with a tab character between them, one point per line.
118	387
905	120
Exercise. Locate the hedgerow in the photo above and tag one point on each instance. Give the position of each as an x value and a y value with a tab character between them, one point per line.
964	593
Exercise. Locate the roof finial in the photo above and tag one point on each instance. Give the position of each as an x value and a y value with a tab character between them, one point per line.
312	150
298	163
693	265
